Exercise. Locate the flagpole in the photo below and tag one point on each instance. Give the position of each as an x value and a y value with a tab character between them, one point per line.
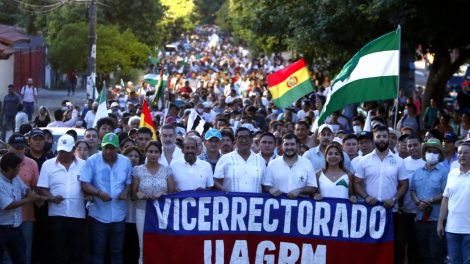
398	82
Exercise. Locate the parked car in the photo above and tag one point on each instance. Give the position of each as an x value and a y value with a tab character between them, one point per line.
455	83
57	132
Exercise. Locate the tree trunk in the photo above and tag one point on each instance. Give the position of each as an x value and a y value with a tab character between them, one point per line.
444	65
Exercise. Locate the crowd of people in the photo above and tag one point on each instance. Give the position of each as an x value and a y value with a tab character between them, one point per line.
83	200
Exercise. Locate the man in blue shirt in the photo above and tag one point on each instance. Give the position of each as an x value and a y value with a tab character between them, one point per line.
10	103
107	177
426	188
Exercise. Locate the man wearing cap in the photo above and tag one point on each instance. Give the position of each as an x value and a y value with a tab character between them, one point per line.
170	151
316	156
240	170
10	104
290	174
107	177
426	187
455	208
449	144
114	109
381	176
12	199
212	142
59	182
37	141
191	173
29	174
29	94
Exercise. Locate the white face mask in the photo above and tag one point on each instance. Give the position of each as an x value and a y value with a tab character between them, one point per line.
432	158
357	130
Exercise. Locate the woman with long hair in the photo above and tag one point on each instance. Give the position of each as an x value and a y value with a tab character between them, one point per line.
335	181
43	118
149	181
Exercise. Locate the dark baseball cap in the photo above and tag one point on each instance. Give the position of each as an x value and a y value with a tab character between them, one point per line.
17	140
36	132
450	136
365	134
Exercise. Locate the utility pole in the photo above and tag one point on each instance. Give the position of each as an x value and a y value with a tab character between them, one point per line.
91	72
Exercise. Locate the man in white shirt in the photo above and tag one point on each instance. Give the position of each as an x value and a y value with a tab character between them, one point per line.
58	181
29	94
455	208
267	145
240	170
381	176
382	173
191	173
291	174
170	151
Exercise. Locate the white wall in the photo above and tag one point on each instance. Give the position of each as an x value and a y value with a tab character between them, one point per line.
6	75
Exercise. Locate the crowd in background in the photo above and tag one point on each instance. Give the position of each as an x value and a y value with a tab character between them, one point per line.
82	200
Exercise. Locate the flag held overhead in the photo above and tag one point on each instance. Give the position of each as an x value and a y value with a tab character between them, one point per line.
146	119
290	84
371	74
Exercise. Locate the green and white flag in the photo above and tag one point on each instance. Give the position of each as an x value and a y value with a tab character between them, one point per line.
371	74
102	108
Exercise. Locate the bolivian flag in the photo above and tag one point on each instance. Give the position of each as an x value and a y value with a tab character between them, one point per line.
290	84
146	119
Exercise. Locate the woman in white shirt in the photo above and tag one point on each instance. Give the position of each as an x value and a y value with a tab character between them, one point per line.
334	181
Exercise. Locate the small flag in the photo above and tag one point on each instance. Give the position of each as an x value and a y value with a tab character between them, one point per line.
371	74
290	84
102	107
196	122
146	119
158	99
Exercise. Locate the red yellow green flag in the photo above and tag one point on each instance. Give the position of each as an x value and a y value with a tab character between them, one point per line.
290	84
146	119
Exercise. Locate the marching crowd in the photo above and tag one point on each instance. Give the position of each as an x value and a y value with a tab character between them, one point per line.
83	200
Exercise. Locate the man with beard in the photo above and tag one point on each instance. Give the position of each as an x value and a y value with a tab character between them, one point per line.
227	141
316	155
267	144
191	173
240	170
291	173
381	176
170	151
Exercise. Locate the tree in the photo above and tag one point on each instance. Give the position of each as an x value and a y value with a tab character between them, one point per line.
176	20
68	50
205	11
139	16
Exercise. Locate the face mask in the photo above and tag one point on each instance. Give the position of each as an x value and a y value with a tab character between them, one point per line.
432	158
200	110
232	121
335	127
357	130
275	111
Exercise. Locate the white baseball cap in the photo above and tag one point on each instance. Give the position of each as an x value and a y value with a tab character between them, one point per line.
65	143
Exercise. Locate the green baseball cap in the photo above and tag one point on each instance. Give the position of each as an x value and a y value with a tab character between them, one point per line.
110	139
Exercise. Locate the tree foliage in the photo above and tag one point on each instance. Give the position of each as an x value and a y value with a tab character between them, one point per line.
68	50
139	16
205	11
176	20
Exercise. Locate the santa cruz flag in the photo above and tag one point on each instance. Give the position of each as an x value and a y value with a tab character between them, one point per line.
289	84
371	74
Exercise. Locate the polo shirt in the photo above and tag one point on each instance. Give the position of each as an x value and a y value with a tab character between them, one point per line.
241	175
61	181
190	177
280	176
381	177
317	158
10	191
427	184
110	179
457	190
